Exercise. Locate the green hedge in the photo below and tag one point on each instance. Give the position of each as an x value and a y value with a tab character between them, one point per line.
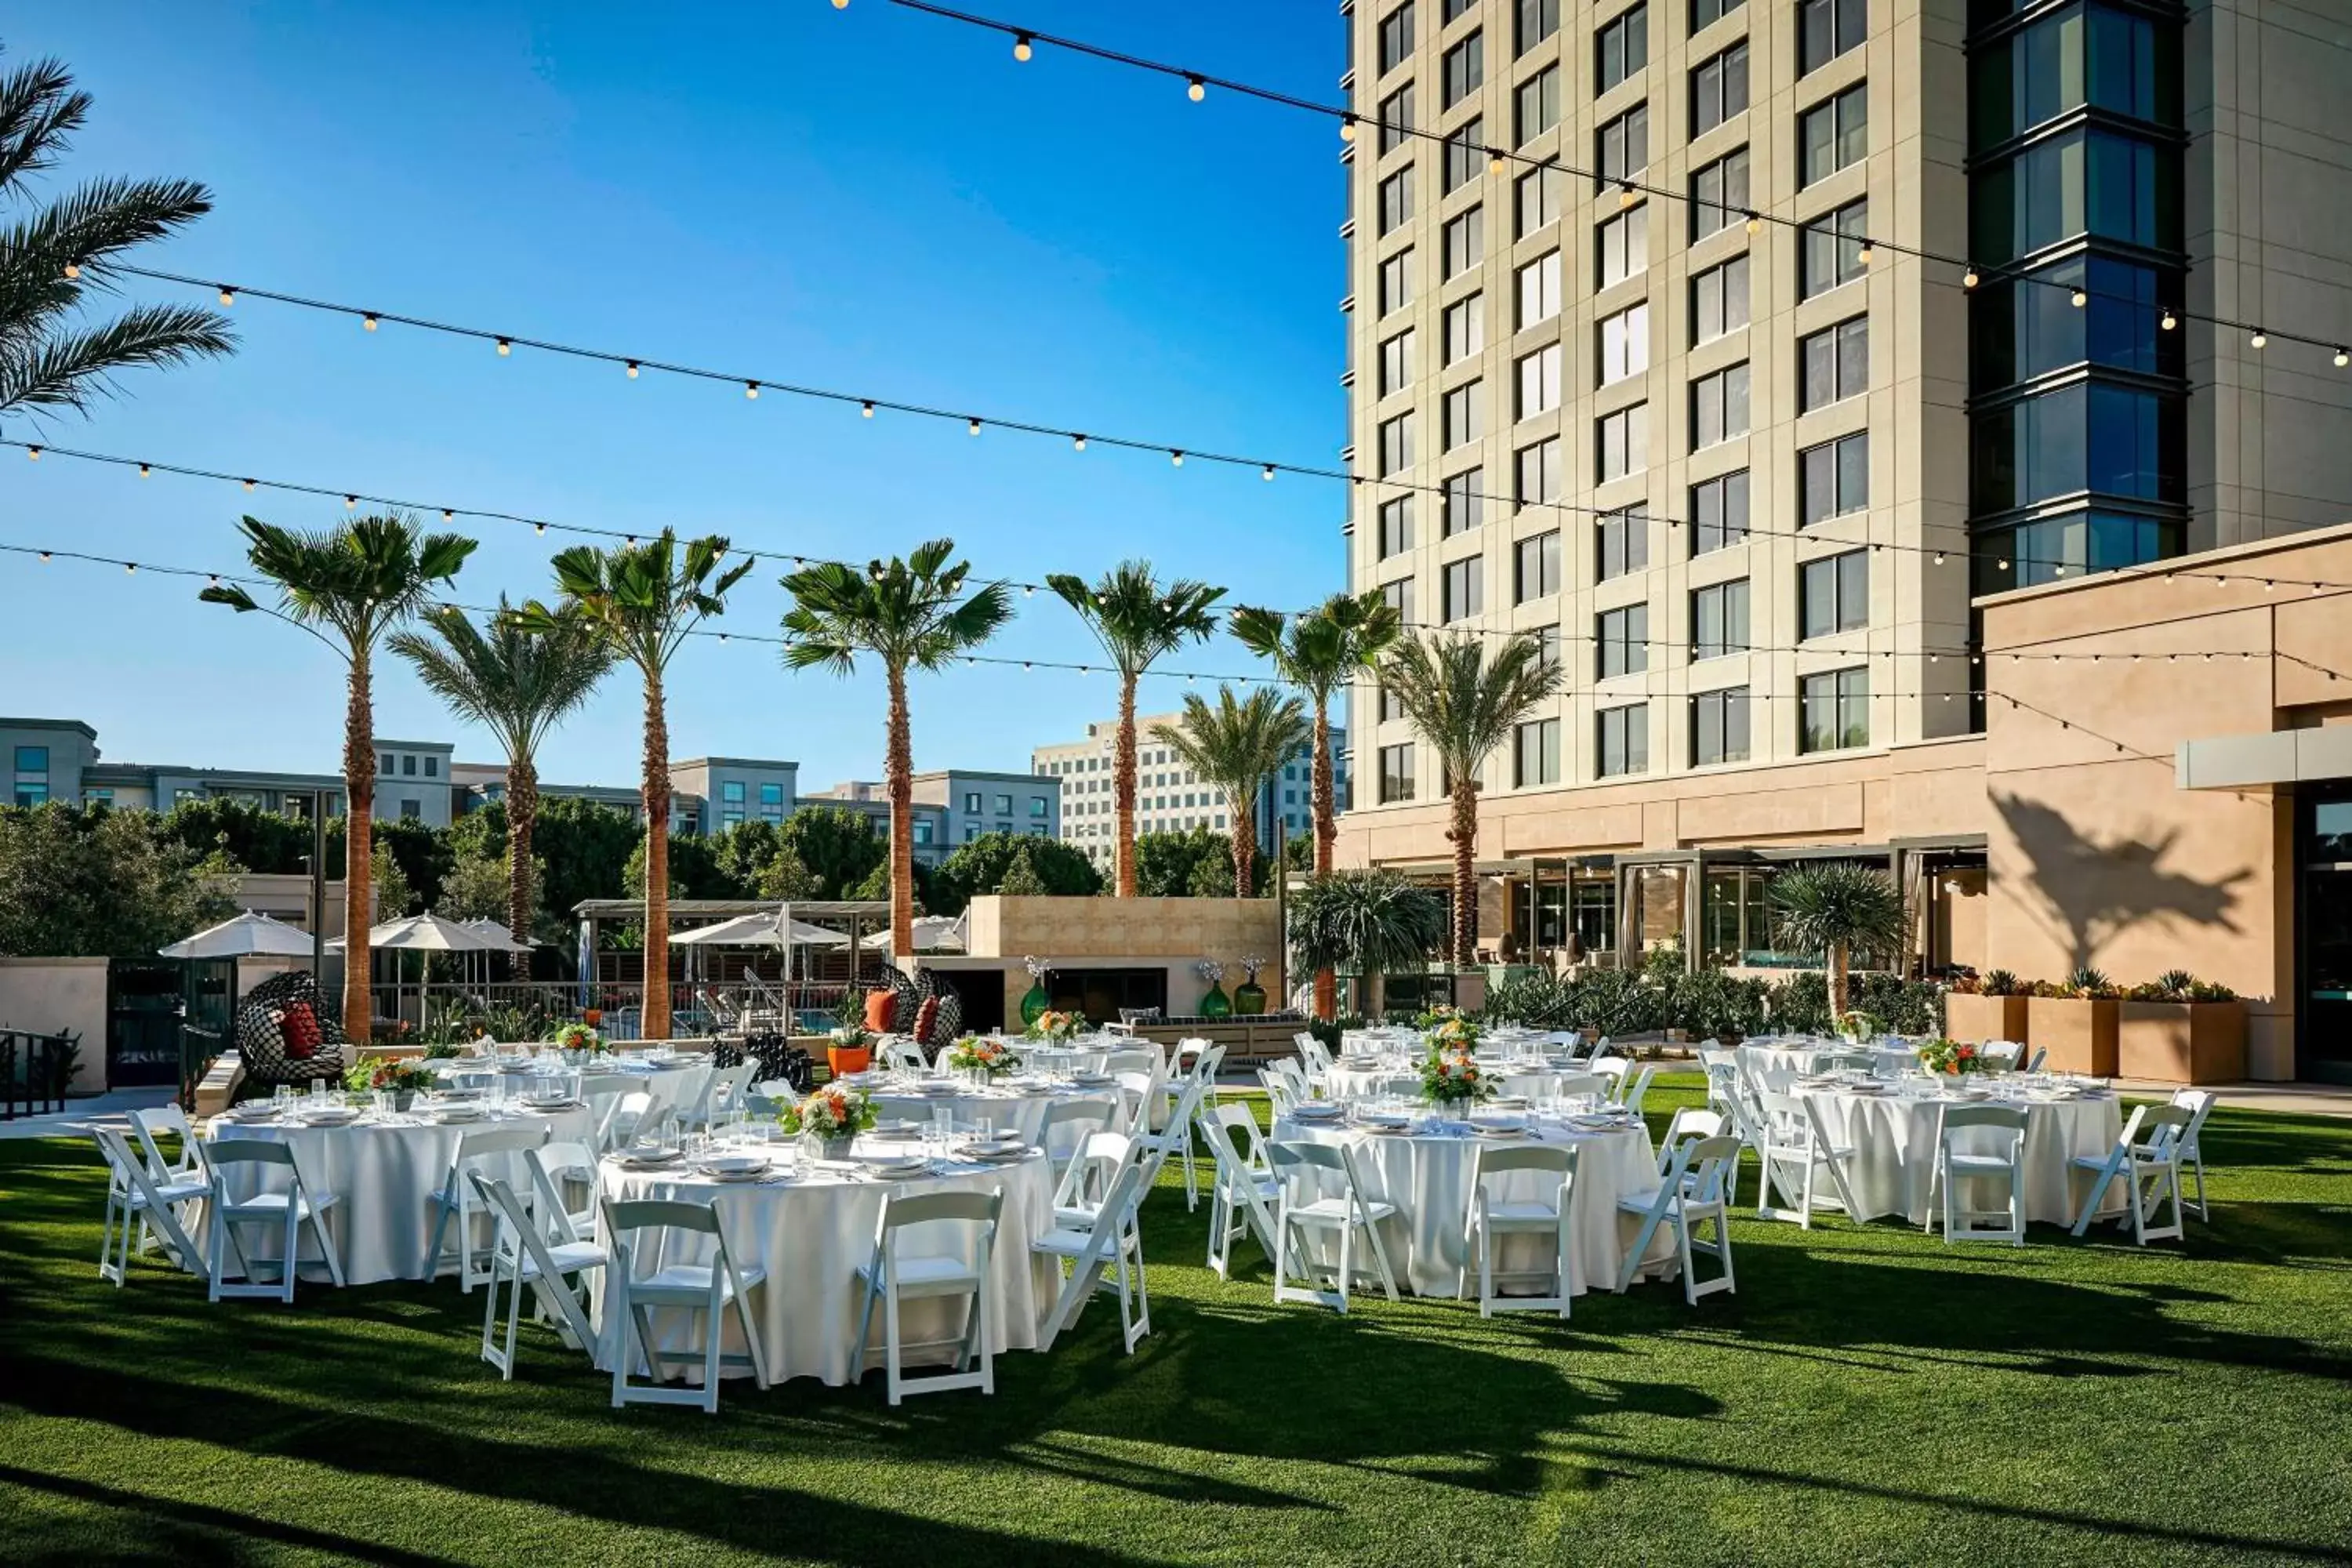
1705	1003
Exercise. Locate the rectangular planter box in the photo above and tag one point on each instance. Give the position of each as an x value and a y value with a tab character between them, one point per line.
2078	1033
1973	1020
2183	1042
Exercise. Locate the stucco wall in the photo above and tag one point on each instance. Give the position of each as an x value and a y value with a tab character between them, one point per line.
60	995
1137	933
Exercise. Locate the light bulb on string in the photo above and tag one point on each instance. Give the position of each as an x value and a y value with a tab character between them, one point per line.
1496	161
1625	196
32	454
1968	280
1078	443
1755	220
2080	298
751	391
2260	340
539	527
130	566
45	558
1022	49
1176	459
73	272
248	486
1347	128
2168	320
1864	253
350	503
632	369
145	472
506	347
367	323
1266	473
2342	358
448	515
1195	88
865	409
227	295
973	426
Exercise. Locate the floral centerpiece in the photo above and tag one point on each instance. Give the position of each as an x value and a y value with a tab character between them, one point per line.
830	1119
1449	1029
1037	999
984	1059
1858	1026
1950	1058
393	1075
580	1038
1054	1026
1451	1076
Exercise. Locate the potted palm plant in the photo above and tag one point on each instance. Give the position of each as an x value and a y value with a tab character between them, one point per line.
2074	1020
1364	923
1989	1007
1832	907
2178	1028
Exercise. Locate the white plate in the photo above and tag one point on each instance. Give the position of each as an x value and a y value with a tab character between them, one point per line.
999	1157
649	1159
895	1170
983	1147
1317	1112
731	1164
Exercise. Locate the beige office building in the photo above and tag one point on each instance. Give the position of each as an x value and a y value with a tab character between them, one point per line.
1753	479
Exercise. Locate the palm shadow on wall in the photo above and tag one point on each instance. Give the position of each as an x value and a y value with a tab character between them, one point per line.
2085	890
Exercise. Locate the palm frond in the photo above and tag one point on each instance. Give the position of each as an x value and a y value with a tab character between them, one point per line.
1236	744
1138	619
67	370
1463	698
40	109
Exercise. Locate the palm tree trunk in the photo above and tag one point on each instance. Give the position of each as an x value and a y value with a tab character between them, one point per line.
359	847
1325	797
655	1023
1244	841
1123	786
522	820
1464	834
898	769
1837	987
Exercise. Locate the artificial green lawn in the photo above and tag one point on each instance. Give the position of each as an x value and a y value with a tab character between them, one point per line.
1868	1395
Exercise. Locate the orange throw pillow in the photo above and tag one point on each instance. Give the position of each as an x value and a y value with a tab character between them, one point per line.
300	1026
877	1010
925	1016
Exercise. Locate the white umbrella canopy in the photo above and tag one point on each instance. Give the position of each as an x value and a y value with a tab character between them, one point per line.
760	930
249	935
933	933
428	933
496	933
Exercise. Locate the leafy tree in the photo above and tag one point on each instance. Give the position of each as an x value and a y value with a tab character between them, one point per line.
876	889
694	870
1466	700
258	840
1237	746
424	856
58	255
351	587
1832	907
1368	921
1021	879
389	883
100	883
584	846
1164	862
642	600
783	876
909	614
1139	621
838	846
983	865
478	887
517	685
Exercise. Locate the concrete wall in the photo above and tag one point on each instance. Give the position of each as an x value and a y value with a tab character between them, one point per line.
1130	933
60	995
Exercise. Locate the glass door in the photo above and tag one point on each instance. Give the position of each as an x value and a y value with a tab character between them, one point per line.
2324	920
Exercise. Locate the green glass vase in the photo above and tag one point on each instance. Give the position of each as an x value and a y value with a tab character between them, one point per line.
1034	1005
1216	1003
1249	999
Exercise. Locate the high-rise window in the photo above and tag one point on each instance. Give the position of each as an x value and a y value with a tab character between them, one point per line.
1720	89
1833	593
1538	194
1828	28
1396	773
1539	382
2110	440
1463	502
1719	727
1719	194
1719	619
1466	414
1396	526
1396	445
1400	596
1833	134
1624	441
1396	200
1455	10
1833	478
1719	300
1539	473
1465	328
1396	37
1396	119
1464	68
1719	512
1535	568
1835	710
1396	281
1830	253
1547	648
1720	406
1540	290
2077	182
1465	241
1623	244
1396	363
1466	153
1622	640
1538	20
1622	145
1464	588
1834	364
1534	753
1535	105
2028	326
1706	13
1621	47
2068	57
1623	741
1621	543
1624	344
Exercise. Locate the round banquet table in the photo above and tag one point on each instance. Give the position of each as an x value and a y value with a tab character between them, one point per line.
1427	1177
1777	1066
1009	1108
812	1232
1529	1081
384	1174
1893	1136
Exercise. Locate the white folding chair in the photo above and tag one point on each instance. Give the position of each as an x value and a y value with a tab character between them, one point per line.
2041	1055
567	1167
1177	1137
1314	1057
2000	1056
1612	1072
1687	1126
183	1179
900	1053
136	1202
1279	1092
1490	1220
1069	1123
1105	1254
523	1254
1136	1092
1243	1184
1301	1166
895	1277
1691	1194
722	1092
455	1198
603	1093
1795	1149
299	1207
2198	1103
2146	1159
1722	1067
706	1289
1087	1179
2003	1125
1631	1089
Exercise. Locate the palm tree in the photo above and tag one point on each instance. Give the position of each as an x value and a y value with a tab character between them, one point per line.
1465	704
350	587
1832	907
1368	921
61	250
909	614
1137	621
517	684
1237	746
1320	653
640	602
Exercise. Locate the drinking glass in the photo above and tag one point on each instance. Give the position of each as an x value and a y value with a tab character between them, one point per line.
282	1098
383	1100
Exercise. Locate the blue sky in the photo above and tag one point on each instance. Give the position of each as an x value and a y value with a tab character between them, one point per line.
866	199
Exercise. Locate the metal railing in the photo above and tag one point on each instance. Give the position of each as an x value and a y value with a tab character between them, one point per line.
199	1048
33	1073
530	1010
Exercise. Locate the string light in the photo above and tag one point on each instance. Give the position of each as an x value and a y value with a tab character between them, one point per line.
1864	253
2261	339
128	567
2080	300
1969	279
1755	220
865	409
631	368
973	426
32	454
448	515
1022	47
350	503
506	347
1175	459
1495	164
248	486
227	295
2169	320
73	272
1078	443
367	323
1266	473
145	472
1347	128
539	527
751	391
2342	358
1195	88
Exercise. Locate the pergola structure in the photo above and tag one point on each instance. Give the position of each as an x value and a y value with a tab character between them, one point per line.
855	916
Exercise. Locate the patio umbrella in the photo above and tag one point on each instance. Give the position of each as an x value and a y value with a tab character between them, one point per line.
933	933
249	935
495	932
428	933
760	930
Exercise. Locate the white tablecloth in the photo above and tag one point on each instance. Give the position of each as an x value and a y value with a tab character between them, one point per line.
1894	1141
1778	1065
1006	1109
383	1176
1527	1079
811	1232
1427	1177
